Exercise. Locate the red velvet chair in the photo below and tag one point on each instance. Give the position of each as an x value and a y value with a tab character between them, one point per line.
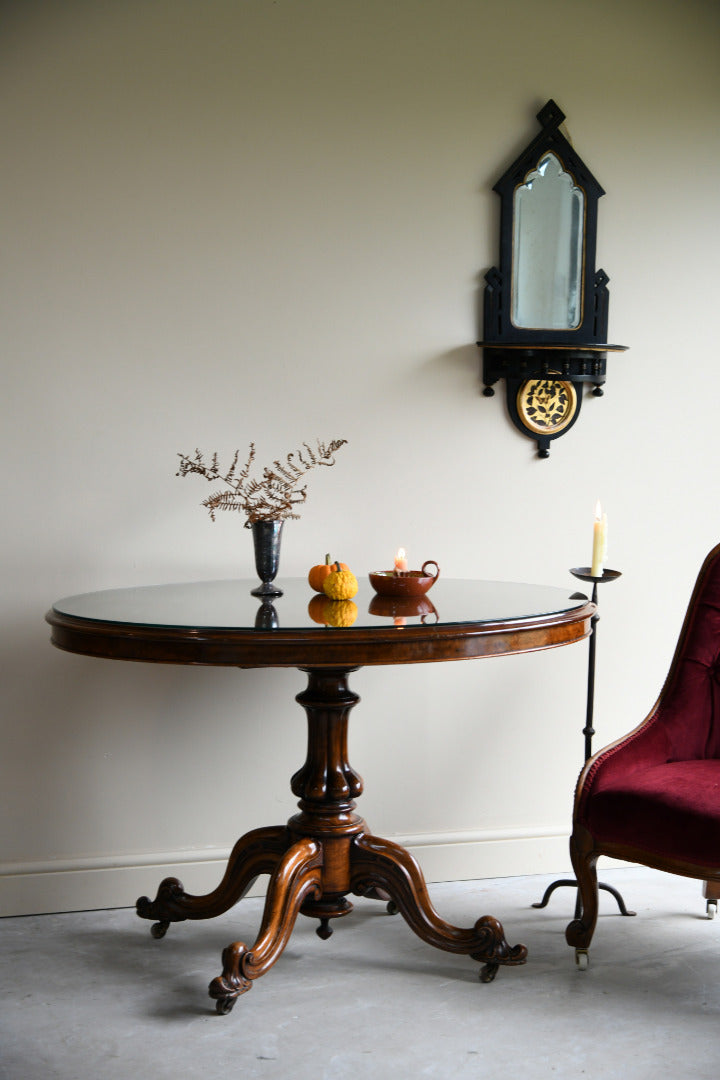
653	797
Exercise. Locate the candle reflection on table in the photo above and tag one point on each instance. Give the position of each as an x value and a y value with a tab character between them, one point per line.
401	608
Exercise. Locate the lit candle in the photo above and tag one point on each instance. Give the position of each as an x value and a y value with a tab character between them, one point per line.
400	561
599	542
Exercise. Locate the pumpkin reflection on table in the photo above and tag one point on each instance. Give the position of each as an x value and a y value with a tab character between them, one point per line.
332	612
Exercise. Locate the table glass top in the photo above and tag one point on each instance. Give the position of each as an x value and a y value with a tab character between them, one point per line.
224	605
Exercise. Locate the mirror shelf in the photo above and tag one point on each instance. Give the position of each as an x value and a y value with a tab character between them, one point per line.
545	305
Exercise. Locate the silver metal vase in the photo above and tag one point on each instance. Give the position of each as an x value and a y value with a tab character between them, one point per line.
266	540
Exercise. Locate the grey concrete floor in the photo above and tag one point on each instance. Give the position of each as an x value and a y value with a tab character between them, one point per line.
92	995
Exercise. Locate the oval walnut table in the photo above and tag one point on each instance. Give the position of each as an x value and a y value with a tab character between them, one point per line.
325	851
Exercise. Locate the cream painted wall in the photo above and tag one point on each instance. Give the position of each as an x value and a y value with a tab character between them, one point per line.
229	221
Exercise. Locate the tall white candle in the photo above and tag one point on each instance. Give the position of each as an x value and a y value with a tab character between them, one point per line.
599	550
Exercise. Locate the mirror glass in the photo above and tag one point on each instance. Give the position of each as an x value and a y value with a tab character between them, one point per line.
547	246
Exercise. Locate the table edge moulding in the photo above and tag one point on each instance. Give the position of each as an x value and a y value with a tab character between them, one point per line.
325	851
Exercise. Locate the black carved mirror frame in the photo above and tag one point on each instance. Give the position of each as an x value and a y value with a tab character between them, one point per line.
546	366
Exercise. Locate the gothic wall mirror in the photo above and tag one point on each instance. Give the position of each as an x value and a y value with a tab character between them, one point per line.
546	306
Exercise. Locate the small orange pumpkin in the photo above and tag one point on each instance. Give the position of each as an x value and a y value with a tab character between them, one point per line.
318	573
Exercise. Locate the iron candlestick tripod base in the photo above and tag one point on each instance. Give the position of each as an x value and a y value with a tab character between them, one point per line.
583	572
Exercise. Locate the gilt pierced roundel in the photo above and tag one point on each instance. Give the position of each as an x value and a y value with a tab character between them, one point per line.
546	406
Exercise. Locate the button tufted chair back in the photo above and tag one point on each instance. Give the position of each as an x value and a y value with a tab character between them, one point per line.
689	706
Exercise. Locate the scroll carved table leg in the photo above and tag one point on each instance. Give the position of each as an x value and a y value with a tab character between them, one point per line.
381	864
258	852
298	876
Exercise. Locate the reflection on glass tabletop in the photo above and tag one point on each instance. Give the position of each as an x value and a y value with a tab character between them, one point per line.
229	605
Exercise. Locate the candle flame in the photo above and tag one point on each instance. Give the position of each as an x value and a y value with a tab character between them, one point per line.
401	554
598	511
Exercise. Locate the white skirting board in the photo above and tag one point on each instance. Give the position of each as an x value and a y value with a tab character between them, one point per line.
111	882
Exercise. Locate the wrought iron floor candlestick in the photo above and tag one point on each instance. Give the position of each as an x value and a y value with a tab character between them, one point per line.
588	731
